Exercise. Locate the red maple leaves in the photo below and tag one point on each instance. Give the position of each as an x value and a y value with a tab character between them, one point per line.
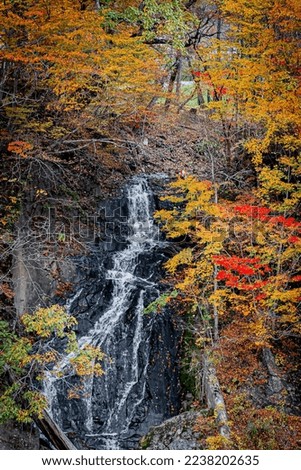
263	214
255	212
250	274
239	272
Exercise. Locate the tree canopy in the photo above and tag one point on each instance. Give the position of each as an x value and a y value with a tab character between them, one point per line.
79	76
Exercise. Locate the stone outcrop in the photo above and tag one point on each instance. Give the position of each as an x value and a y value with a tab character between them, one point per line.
19	437
177	433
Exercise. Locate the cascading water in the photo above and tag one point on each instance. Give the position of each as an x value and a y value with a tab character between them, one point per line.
140	387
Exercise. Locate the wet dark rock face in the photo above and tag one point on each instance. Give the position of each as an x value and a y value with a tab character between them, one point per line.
140	387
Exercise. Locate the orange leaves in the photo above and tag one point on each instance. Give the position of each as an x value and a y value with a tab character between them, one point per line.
264	276
20	148
6	290
248	273
68	50
257	64
286	222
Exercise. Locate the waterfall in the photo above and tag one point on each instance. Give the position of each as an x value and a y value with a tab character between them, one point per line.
119	406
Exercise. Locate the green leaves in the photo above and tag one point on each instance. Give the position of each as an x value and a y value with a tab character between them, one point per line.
160	302
25	359
156	19
14	351
33	404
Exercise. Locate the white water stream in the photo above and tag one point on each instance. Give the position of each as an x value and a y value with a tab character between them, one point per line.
129	374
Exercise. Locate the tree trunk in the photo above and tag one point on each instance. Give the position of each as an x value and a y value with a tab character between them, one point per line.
179	76
53	433
214	397
173	76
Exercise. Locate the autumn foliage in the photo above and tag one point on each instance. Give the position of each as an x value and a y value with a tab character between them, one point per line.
63	57
79	75
238	268
27	358
257	62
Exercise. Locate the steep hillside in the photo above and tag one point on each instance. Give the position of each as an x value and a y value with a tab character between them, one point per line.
205	95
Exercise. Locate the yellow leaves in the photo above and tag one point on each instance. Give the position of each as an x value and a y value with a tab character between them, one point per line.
42	358
197	198
286	160
174	227
275	189
179	229
70	51
259	331
193	187
218	296
218	300
195	205
261	239
256	149
86	361
184	257
286	296
189	284
41	192
204	268
164	215
19	352
218	442
202	342
47	321
210	236
173	199
291	252
37	403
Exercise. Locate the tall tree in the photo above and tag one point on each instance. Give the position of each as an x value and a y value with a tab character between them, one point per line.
254	74
61	56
